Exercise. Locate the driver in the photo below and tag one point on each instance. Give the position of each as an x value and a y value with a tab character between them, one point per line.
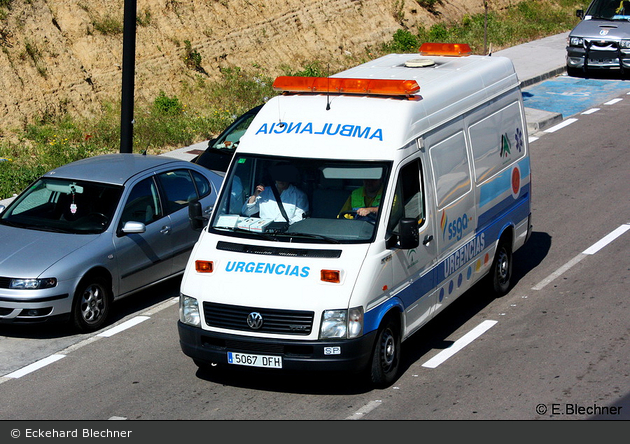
365	200
293	199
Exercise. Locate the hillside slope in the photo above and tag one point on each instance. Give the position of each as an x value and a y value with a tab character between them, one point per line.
65	55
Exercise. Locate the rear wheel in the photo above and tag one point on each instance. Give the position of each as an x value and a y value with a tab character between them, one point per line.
386	355
501	272
92	301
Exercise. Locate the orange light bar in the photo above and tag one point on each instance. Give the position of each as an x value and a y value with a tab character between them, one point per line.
445	49
331	276
388	87
204	266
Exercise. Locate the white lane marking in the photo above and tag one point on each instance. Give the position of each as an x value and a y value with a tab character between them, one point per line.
124	326
553	276
117	418
459	344
613	101
589	251
591	111
50	359
367	408
161	306
35	366
607	239
561	125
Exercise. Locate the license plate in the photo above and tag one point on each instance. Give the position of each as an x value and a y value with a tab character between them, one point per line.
254	360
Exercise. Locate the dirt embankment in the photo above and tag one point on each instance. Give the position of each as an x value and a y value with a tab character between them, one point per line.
66	55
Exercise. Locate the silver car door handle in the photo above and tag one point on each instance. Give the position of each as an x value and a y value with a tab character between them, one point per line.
165	229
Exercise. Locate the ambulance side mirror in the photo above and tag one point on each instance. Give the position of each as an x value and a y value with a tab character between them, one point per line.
409	236
195	215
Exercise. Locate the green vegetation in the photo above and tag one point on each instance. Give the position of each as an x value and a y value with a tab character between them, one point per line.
523	22
202	108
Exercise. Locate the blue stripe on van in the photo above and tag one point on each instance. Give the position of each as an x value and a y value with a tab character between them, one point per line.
500	184
514	210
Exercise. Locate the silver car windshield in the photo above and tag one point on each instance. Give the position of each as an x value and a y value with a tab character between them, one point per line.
609	10
64	205
323	201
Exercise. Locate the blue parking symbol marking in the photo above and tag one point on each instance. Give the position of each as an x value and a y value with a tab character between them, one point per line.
572	95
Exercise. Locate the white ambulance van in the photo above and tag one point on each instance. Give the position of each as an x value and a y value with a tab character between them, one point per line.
404	181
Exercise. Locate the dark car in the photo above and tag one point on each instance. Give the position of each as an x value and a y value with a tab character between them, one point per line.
601	41
220	150
92	231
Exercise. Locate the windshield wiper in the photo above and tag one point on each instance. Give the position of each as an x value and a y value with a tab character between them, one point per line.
311	236
268	236
51	229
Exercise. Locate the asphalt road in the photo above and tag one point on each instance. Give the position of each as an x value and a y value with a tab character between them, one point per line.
555	347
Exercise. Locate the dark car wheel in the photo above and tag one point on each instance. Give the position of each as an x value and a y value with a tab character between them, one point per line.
91	305
386	355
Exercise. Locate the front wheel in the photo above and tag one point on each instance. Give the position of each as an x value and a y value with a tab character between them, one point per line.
91	305
386	356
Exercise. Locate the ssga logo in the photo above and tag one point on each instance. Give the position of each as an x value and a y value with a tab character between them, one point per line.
267	268
457	228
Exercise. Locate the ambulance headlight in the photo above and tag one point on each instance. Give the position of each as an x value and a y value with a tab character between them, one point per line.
342	324
189	311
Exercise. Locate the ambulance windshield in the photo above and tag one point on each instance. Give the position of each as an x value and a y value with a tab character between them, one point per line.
322	201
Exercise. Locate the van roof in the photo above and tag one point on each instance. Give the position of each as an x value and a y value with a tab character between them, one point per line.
319	125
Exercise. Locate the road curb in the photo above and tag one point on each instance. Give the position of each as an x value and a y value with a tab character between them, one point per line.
538	120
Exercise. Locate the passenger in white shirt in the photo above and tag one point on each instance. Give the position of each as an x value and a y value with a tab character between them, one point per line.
293	199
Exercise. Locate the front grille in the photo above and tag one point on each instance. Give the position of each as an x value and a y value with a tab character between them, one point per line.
234	317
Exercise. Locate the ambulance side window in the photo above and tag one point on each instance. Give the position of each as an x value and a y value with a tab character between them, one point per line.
408	198
450	169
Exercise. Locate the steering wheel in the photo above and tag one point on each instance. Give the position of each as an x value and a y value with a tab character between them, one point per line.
96	214
371	218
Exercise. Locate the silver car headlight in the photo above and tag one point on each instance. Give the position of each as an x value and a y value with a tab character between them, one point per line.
342	324
576	41
32	284
189	311
625	44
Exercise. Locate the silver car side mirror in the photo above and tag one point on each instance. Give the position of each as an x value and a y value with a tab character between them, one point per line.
132	227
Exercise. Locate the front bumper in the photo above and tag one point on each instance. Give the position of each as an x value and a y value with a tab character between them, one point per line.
584	58
33	306
206	347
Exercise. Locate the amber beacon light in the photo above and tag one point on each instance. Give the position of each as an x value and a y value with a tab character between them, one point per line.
445	49
389	87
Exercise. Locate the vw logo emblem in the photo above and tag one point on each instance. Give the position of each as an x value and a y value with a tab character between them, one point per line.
255	320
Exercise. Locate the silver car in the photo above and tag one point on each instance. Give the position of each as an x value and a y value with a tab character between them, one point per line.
96	230
601	41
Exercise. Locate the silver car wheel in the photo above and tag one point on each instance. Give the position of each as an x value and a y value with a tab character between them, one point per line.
92	302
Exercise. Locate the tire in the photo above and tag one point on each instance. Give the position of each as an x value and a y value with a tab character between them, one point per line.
501	272
385	361
91	306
